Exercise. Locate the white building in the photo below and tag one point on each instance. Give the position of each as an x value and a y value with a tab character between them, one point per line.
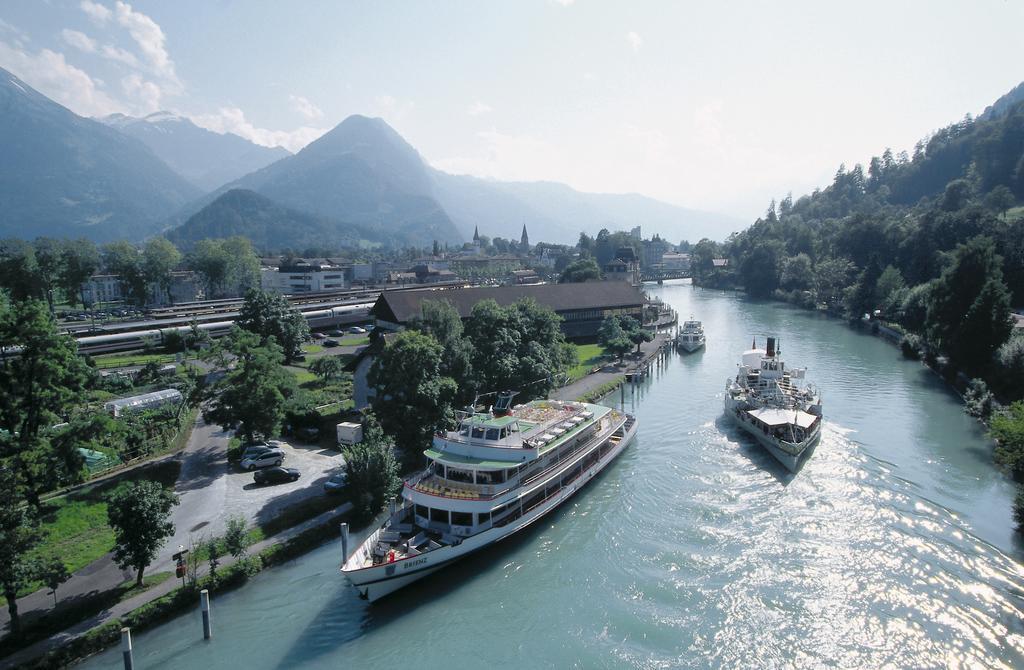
303	277
674	261
184	287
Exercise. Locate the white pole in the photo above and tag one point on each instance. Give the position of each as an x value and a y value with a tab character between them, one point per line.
204	604
126	648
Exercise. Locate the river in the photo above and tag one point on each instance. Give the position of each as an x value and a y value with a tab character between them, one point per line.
893	546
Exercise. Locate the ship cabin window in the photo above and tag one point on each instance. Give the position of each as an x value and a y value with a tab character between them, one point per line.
421	510
460	475
490	476
440	515
493	433
464	430
462	518
478	432
437	468
483	517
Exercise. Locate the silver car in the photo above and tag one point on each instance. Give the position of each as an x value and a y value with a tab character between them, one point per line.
263	459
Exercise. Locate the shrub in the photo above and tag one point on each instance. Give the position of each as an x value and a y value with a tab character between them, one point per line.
978	400
1018	508
910	345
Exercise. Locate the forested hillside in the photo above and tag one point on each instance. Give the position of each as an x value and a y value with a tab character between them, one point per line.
934	242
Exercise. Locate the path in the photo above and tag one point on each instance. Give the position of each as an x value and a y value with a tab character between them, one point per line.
120	609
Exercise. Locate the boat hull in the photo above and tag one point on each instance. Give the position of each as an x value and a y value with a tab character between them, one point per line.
690	347
792	461
381	580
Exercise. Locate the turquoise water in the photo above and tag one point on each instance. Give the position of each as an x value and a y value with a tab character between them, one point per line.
893	546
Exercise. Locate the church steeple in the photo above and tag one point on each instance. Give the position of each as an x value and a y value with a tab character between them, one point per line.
476	234
524	241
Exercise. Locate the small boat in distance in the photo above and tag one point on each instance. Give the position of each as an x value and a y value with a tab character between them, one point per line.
495	474
691	336
770	402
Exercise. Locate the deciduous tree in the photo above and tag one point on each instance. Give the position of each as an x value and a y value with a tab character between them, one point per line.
139	513
271	315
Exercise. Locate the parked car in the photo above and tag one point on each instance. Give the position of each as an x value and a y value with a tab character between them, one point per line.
336	483
330	342
275	476
299	358
264	459
357	330
318	336
255	448
336	333
278	444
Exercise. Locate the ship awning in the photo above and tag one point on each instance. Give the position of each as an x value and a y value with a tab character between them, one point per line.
773	416
478	463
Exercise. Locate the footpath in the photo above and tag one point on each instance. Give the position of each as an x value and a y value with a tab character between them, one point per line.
124	607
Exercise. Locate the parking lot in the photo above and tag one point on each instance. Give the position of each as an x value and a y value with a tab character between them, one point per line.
261	503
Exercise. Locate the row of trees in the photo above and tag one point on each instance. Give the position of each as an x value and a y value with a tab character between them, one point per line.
439	363
56	270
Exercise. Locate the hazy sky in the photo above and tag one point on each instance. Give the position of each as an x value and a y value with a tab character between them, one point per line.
712	105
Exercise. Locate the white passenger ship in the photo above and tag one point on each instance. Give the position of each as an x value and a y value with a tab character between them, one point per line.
691	336
496	474
771	402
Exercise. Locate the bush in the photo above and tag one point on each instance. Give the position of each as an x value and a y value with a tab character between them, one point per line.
910	345
1018	508
1009	374
978	400
1007	428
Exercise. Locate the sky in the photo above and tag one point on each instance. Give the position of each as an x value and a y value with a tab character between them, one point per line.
719	106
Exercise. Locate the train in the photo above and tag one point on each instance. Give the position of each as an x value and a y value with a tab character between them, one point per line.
139	339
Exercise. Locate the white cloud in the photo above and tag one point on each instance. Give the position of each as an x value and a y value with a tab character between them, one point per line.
120	55
150	38
97	12
634	40
19	35
79	40
305	108
478	108
232	120
48	72
145	94
564	3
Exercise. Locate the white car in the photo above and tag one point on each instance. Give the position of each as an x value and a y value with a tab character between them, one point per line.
264	459
357	330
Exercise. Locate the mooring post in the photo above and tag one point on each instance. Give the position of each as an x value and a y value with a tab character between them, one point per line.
344	543
126	648
204	604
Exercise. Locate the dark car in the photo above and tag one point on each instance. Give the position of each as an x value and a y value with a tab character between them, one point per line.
330	343
336	333
336	483
318	336
275	476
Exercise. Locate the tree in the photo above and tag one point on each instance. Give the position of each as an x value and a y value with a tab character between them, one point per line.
271	315
1000	199
613	338
124	260
1008	431
371	470
53	573
861	298
327	368
211	261
889	289
957	194
50	260
519	347
441	320
760	269
235	537
38	387
19	271
252	396
585	269
634	331
81	260
796	272
19	534
969	308
159	258
139	513
412	397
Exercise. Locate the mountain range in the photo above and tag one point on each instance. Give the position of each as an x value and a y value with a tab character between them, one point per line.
206	159
125	177
63	175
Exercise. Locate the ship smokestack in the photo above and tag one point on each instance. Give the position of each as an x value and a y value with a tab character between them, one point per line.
770	353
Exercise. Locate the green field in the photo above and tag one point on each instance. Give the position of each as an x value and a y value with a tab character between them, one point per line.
354	340
587	357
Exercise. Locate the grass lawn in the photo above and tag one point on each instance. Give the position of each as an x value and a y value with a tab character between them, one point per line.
302	376
587	356
354	340
312	348
125	360
75	525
